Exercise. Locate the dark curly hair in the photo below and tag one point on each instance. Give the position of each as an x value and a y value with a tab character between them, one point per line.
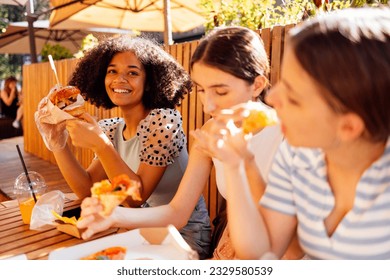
166	80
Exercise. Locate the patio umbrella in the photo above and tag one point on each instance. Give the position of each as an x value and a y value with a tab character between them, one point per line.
144	15
14	2
16	38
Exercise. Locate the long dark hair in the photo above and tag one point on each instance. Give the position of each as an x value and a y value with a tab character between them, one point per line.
7	82
236	50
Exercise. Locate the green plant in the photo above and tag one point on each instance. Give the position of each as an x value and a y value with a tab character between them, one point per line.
88	42
10	65
257	14
57	52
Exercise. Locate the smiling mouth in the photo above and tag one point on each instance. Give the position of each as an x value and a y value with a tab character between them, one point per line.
121	90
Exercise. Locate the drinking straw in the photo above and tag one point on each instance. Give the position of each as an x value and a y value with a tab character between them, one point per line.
53	67
26	172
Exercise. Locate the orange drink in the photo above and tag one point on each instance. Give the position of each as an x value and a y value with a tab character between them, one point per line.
25	190
26	208
27	203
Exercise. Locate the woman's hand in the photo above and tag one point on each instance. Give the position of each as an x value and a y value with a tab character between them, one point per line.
53	135
226	138
12	87
224	141
87	133
91	220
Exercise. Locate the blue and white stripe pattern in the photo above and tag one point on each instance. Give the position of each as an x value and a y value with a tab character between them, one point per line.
298	186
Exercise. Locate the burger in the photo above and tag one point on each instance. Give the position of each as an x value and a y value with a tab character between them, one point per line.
68	99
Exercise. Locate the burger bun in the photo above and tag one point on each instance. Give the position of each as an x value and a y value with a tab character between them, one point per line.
68	99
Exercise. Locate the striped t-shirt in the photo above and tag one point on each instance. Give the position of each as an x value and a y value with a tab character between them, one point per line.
298	186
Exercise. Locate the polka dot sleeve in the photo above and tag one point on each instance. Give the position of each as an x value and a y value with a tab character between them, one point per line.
161	136
109	126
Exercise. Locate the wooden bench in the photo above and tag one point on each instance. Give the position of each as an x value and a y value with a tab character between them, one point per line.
38	78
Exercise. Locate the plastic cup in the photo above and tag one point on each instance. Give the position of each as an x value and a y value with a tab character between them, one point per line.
24	192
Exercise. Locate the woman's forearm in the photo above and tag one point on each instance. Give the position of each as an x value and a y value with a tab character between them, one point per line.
243	216
179	210
8	98
75	175
256	181
160	216
113	163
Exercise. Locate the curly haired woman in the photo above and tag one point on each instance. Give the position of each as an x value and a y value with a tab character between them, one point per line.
148	143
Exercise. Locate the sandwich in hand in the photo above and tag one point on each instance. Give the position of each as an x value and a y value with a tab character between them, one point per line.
258	116
68	99
112	194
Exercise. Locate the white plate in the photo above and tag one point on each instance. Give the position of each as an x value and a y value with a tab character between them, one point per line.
137	248
22	257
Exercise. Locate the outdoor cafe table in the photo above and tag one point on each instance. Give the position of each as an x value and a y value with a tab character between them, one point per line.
16	238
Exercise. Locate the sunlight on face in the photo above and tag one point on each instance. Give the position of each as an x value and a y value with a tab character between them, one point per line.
125	79
306	119
219	90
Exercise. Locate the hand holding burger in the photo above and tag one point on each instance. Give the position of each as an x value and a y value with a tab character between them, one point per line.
61	104
68	99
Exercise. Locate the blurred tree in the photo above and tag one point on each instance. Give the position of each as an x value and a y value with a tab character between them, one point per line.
56	51
88	43
258	14
11	64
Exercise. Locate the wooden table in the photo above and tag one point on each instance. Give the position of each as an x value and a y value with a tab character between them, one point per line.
16	238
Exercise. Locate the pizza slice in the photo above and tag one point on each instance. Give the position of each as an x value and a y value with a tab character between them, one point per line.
112	194
111	253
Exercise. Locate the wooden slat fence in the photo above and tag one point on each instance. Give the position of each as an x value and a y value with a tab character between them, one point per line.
39	78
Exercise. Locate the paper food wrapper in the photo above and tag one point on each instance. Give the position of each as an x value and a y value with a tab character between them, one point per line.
42	217
67	225
69	229
47	213
49	113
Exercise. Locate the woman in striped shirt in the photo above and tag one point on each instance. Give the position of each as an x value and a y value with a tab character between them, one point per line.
331	179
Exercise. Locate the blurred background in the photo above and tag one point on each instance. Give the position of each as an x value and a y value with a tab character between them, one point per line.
61	27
